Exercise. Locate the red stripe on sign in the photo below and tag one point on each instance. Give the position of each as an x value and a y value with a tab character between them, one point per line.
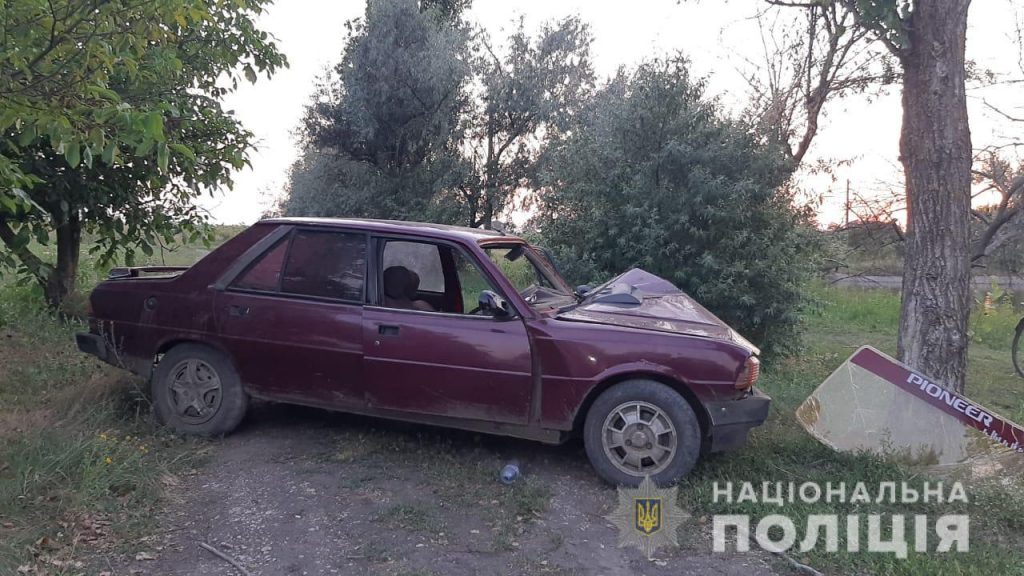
968	413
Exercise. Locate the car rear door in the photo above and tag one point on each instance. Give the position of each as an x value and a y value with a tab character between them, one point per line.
443	362
292	318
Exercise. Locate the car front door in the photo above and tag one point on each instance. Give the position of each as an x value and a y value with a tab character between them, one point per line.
425	353
292	318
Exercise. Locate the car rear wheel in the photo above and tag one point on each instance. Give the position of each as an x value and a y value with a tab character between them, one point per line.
641	428
196	390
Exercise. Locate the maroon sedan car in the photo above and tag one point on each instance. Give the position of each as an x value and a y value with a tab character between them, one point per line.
435	324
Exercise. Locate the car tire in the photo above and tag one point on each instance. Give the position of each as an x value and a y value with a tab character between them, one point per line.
641	428
196	390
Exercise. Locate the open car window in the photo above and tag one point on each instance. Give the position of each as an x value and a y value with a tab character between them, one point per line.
422	258
530	275
429	277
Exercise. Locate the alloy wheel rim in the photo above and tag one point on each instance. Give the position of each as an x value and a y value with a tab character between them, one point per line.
639	438
195	391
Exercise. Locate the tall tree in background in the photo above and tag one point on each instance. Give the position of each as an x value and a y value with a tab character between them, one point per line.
809	58
424	120
928	38
386	126
163	90
529	96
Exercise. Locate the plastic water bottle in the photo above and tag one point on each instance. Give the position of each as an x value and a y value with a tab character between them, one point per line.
510	473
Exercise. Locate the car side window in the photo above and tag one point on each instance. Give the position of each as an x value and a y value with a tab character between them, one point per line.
326	264
264	274
422	258
471	281
423	276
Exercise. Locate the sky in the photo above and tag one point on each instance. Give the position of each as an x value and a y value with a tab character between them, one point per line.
719	36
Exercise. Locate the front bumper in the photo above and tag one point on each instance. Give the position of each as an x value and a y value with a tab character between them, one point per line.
733	419
93	344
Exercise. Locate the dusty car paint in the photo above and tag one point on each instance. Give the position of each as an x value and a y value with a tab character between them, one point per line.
531	375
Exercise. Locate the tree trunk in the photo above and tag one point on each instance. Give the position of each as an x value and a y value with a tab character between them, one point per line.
935	149
61	281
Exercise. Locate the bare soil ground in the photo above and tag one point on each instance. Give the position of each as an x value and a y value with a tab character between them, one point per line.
306	492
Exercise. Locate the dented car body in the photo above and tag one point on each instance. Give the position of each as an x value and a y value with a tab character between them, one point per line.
449	326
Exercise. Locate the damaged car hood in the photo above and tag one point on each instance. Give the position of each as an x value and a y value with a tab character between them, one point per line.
639	299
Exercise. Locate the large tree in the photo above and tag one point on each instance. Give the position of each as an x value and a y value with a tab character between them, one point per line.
528	96
452	132
809	58
155	138
653	176
928	39
386	124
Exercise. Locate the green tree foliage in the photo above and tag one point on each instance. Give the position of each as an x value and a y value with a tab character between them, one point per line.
654	177
386	126
530	95
115	124
424	119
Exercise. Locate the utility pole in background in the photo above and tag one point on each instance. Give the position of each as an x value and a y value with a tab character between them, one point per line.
846	207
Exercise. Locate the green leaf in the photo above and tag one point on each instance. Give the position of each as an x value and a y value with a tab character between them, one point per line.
162	156
250	74
9	117
184	151
155	125
8	204
109	151
144	147
72	153
87	157
27	136
22	237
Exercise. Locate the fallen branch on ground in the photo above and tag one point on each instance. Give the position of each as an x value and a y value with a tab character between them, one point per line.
224	557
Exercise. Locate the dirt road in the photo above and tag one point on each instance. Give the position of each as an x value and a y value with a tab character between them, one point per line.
305	492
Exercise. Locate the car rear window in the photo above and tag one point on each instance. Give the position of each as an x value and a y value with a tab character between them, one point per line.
329	264
326	264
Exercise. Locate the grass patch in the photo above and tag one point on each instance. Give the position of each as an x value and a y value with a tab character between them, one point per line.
412	517
781	451
82	467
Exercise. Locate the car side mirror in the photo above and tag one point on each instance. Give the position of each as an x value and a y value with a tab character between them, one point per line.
582	290
493	304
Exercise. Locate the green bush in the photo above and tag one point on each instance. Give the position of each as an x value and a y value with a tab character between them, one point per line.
654	177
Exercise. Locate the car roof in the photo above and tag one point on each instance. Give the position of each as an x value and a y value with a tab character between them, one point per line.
399	226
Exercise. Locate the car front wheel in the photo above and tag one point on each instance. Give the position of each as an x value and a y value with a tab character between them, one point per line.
641	428
196	390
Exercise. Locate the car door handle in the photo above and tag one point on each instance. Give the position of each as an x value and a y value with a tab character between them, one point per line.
235	310
387	330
